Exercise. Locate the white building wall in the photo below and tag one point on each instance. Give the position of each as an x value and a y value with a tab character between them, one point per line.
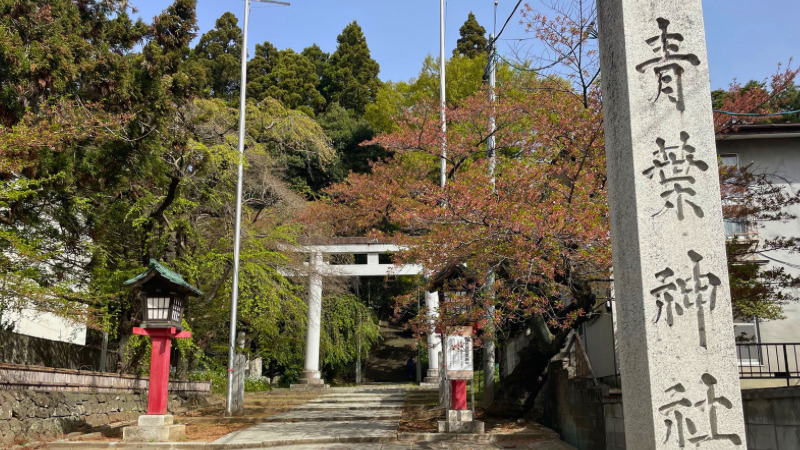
780	156
598	340
46	326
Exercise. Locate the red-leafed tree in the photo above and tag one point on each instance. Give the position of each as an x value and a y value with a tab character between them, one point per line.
749	103
541	230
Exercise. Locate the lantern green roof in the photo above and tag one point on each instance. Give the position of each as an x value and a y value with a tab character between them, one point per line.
157	268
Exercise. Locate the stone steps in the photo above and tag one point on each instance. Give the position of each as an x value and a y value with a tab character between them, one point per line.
347	407
376	401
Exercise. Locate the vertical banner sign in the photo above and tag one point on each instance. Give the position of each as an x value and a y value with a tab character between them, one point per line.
680	380
459	353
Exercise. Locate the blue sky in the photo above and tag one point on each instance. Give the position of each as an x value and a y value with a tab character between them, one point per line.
746	38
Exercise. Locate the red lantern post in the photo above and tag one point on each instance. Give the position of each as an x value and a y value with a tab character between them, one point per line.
163	293
159	365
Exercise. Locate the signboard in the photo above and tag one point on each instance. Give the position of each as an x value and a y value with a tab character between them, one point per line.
459	353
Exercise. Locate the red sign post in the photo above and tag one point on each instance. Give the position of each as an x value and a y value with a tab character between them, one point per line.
459	364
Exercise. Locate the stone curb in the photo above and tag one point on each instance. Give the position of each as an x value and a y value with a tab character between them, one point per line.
403	437
77	445
348	408
258	420
399	438
474	437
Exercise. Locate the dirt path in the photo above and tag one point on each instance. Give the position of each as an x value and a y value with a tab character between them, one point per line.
386	363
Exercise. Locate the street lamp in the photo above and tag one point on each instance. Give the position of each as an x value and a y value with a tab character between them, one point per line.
238	220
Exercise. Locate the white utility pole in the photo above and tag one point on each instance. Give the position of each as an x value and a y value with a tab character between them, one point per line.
490	143
488	346
443	170
238	225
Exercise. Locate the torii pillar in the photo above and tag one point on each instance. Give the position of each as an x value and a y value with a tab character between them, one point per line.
311	375
434	340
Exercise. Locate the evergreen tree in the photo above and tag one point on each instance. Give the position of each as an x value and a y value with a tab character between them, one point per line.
473	39
262	63
352	75
293	81
219	52
318	57
347	133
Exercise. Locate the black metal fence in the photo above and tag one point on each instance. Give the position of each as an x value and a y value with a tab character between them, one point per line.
768	361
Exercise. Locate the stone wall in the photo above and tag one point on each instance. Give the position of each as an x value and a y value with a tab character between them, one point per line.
584	411
772	418
772	415
27	415
15	376
579	410
21	349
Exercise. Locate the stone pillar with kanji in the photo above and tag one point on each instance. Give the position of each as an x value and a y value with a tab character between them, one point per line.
678	362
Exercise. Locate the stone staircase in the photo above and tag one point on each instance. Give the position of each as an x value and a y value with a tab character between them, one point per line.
363	414
368	417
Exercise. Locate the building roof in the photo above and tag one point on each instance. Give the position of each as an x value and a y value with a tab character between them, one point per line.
157	268
761	131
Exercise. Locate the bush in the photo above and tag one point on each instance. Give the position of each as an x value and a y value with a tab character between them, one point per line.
219	381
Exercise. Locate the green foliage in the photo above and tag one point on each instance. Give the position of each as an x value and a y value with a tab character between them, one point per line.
472	42
351	78
319	58
787	100
262	63
219	381
219	55
347	132
389	101
345	321
751	295
464	78
218	378
292	80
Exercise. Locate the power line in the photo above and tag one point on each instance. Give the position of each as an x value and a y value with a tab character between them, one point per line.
507	20
784	113
792	265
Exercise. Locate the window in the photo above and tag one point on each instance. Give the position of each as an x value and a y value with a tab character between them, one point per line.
729	159
735	227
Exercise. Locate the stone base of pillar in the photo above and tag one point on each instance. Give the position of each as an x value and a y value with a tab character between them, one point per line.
460	421
155	428
432	376
310	379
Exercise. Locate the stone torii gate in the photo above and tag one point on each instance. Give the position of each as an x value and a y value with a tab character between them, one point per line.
317	267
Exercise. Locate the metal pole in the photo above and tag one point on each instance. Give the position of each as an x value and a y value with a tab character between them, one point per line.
490	143
104	352
489	347
443	169
358	348
237	230
238	225
786	365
